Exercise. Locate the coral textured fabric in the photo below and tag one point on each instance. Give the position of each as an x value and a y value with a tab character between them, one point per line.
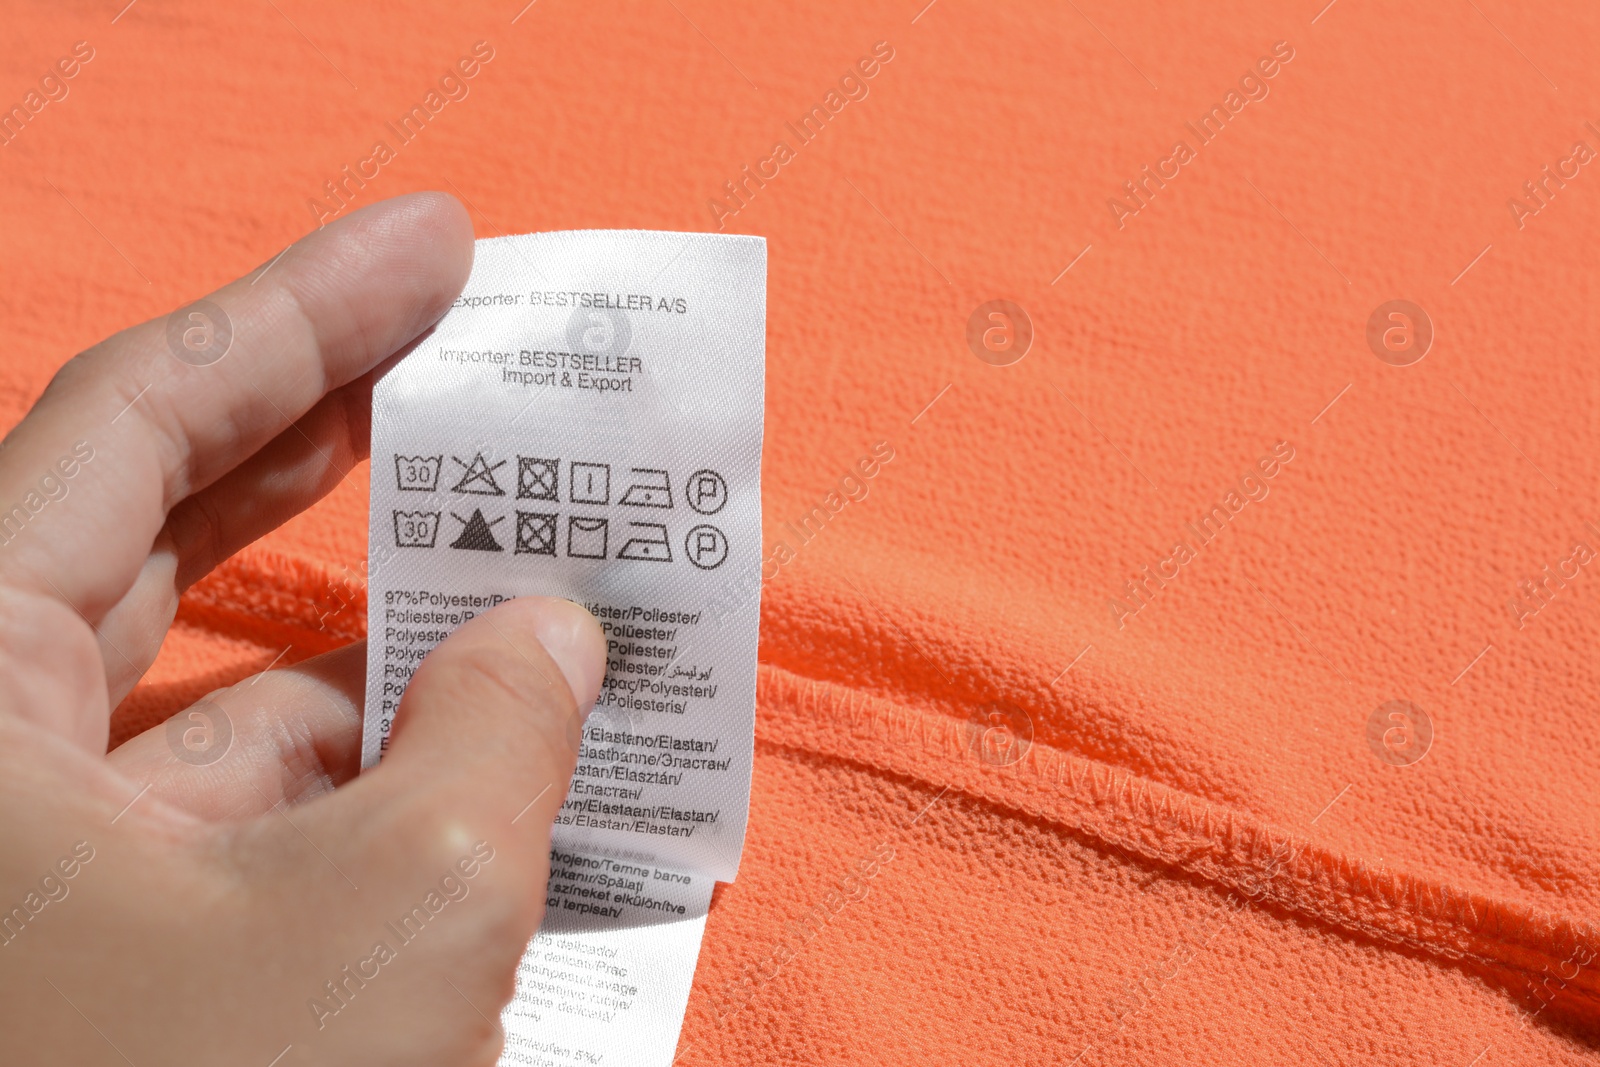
1031	784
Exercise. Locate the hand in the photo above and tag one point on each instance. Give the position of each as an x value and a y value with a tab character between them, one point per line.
158	912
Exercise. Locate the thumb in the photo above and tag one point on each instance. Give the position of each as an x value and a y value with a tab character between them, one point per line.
482	751
500	703
485	738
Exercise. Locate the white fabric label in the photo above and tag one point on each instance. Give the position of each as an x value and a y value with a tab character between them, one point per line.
586	422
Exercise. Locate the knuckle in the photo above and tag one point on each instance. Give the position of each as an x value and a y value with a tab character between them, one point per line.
49	656
430	835
198	535
493	895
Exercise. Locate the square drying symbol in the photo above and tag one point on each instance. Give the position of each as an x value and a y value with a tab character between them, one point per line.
591	483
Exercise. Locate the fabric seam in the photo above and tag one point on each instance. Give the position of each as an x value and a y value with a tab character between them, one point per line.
1094	800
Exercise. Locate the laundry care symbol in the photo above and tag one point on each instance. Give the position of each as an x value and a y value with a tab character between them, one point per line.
538	479
417	474
476	534
415	529
706	492
536	533
651	488
591	483
478	477
648	545
586	537
706	546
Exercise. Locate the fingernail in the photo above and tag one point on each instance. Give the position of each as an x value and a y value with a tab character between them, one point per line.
575	641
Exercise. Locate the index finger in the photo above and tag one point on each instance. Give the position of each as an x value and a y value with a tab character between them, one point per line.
159	414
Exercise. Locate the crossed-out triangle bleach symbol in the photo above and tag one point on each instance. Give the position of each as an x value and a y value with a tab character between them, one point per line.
478	477
476	533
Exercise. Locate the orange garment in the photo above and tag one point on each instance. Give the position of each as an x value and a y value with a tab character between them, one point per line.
1198	856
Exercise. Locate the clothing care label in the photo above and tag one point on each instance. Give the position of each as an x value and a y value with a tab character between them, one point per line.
586	422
